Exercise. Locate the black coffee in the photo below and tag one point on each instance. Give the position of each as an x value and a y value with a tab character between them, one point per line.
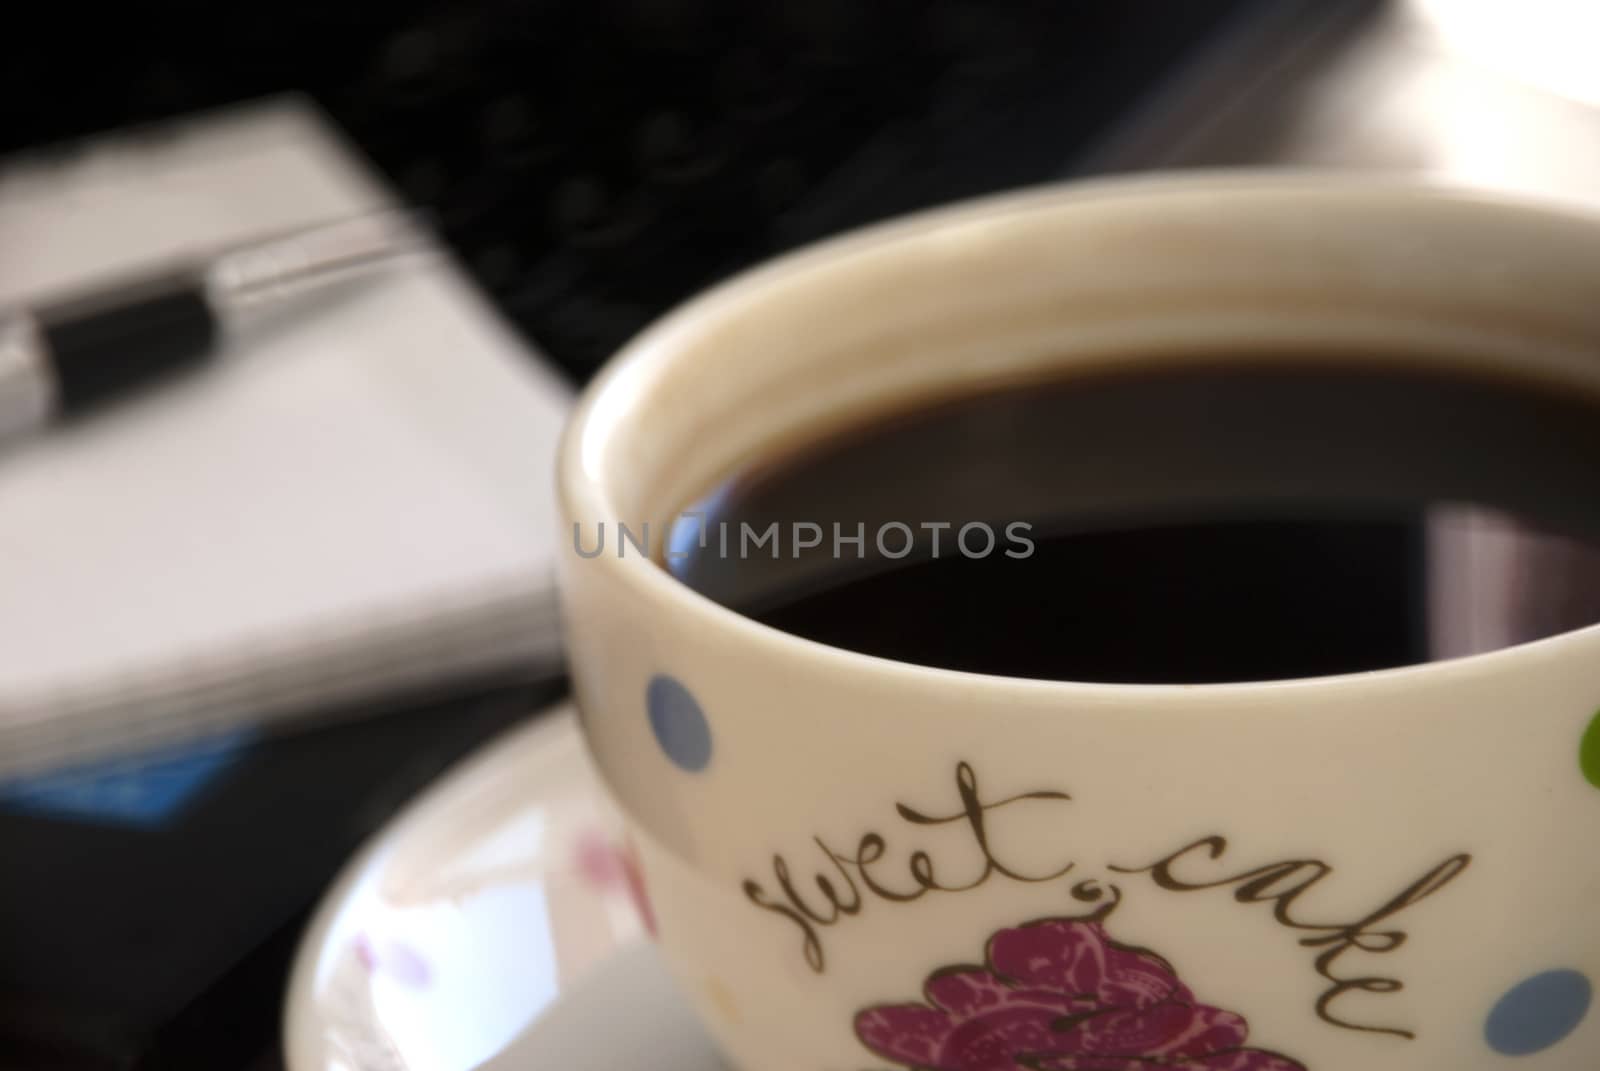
1225	522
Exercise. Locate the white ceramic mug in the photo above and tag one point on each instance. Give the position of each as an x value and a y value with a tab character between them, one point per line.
857	863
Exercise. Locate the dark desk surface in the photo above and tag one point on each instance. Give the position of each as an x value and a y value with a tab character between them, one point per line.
134	941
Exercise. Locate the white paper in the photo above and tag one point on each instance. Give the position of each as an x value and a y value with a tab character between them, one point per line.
356	499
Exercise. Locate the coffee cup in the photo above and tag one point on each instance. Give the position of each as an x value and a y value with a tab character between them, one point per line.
858	862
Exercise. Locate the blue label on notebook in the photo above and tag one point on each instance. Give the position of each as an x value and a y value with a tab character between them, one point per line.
145	790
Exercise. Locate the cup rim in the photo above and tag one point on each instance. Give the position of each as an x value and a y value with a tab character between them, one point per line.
581	489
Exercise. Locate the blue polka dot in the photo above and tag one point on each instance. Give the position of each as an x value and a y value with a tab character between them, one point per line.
1537	1013
679	724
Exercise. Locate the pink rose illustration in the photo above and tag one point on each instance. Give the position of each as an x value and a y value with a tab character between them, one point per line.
396	959
1061	995
606	864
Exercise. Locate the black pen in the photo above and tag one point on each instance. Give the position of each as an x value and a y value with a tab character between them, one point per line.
58	358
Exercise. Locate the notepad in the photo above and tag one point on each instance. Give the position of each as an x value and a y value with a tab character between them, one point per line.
356	501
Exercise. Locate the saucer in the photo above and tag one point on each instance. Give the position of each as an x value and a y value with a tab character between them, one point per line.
628	1013
497	922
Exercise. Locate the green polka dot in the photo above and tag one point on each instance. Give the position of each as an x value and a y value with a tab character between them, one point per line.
1589	752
